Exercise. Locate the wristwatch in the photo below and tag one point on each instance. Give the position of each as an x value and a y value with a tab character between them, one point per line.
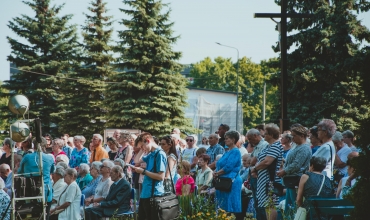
144	171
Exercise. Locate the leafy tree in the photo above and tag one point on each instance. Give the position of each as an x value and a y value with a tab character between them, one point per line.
4	124
221	75
48	46
324	78
151	94
83	103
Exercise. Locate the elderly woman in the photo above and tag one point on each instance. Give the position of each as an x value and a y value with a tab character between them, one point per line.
204	143
58	184
84	177
269	160
7	155
57	146
62	158
313	183
228	166
114	147
90	188
204	175
125	153
326	129
68	205
185	185
314	138
297	162
80	154
104	184
4	202
286	141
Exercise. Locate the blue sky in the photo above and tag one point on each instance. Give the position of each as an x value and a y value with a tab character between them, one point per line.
200	23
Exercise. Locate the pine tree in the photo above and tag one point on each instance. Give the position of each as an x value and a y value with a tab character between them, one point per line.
48	47
151	95
324	78
85	111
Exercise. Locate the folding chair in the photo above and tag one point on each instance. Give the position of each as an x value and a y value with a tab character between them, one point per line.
82	206
133	207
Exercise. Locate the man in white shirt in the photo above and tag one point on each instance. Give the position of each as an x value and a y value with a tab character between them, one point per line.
348	137
343	151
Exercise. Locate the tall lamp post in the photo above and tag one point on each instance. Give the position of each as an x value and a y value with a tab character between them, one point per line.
237	83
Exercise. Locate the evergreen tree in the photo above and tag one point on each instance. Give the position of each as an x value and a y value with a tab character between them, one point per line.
221	75
151	94
324	75
48	46
85	111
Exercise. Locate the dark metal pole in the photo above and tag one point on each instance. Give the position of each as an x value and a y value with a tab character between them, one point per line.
284	121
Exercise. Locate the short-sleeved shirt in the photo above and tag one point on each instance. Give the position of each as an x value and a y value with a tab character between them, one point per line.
259	147
188	154
213	151
78	157
161	164
343	156
324	151
72	194
204	177
98	154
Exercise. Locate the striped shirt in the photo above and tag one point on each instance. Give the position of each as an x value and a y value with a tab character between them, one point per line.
274	150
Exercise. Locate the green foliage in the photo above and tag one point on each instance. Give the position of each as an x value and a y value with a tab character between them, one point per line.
324	75
48	46
84	111
221	75
4	124
151	93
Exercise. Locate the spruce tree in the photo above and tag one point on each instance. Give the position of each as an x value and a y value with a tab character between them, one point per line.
151	93
48	46
85	112
324	75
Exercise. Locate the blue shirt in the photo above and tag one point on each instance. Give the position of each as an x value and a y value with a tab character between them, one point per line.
68	150
90	188
161	163
30	164
213	151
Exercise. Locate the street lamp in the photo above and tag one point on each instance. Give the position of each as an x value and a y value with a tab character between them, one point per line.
237	83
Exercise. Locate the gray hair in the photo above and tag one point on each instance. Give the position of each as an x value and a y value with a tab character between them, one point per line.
233	135
108	164
215	136
2	184
5	166
337	136
98	136
59	142
287	136
329	126
318	163
63	158
84	167
348	134
63	164
59	170
118	169
80	138
72	172
96	165
9	141
253	131
119	160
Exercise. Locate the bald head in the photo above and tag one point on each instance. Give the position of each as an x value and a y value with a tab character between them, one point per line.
4	170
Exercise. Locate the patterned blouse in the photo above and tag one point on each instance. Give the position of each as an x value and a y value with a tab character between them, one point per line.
78	157
4	202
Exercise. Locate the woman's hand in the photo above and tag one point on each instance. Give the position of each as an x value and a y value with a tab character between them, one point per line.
138	169
281	173
96	204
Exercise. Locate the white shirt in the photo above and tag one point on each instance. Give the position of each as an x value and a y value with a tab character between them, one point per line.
58	188
324	151
72	195
343	156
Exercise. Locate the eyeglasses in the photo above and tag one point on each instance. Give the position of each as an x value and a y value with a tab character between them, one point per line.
189	140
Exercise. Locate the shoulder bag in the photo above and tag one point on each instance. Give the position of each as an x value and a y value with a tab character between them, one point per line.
302	212
223	183
167	205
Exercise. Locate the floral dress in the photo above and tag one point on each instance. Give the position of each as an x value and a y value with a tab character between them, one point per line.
78	157
4	202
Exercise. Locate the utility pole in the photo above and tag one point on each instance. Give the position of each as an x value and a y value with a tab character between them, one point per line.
284	121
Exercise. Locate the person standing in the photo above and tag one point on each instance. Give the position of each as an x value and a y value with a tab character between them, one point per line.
341	156
154	173
222	129
348	137
189	154
80	154
98	151
7	155
214	150
66	148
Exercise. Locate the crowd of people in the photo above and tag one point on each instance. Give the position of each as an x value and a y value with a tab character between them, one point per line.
297	164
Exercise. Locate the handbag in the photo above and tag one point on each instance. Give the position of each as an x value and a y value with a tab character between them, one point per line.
167	206
223	183
302	212
291	181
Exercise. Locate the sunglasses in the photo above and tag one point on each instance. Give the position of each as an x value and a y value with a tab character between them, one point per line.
189	140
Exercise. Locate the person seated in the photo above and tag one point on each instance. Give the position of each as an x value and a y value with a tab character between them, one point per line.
117	200
103	186
61	158
90	188
6	175
4	201
346	183
59	185
84	177
185	185
313	182
205	174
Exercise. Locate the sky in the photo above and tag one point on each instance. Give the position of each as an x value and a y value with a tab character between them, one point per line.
200	24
